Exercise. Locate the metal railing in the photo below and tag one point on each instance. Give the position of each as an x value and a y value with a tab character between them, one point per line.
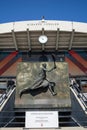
9	84
4	96
80	95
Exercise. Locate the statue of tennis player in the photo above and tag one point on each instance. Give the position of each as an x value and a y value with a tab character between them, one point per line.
42	80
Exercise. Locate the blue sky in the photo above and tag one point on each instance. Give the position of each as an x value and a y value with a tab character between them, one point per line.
22	10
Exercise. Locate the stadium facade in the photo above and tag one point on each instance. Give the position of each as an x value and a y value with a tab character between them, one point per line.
25	42
18	40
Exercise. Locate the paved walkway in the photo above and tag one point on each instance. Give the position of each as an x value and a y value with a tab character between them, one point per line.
62	128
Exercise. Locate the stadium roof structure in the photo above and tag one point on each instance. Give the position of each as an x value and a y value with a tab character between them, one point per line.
62	35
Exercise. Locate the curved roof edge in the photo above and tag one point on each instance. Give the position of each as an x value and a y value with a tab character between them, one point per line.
49	25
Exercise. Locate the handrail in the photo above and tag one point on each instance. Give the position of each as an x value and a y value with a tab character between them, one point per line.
7	96
2	98
80	95
10	84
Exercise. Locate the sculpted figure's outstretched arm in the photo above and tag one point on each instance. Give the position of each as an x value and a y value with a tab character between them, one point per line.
54	67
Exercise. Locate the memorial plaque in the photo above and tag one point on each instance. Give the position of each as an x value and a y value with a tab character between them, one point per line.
42	85
41	119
